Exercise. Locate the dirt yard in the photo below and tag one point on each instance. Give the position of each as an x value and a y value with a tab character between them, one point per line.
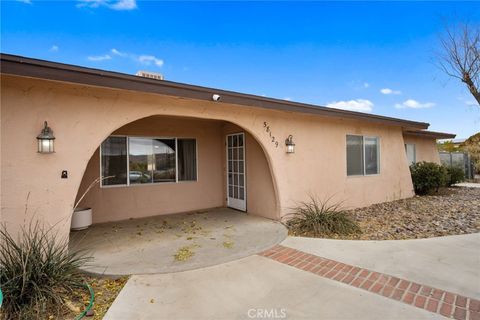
105	290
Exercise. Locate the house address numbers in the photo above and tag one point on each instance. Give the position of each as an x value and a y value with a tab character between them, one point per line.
272	137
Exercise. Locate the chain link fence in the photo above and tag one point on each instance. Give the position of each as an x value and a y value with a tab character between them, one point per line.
458	159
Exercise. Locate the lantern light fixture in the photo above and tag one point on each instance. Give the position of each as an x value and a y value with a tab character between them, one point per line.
290	144
45	140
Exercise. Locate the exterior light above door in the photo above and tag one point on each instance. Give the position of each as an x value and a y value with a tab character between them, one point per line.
290	144
45	140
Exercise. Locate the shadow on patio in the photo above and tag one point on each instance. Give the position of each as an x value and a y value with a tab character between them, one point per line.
172	243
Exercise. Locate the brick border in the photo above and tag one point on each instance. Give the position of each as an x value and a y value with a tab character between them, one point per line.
447	304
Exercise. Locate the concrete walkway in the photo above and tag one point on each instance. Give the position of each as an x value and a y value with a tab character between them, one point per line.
249	288
450	263
256	286
468	185
149	245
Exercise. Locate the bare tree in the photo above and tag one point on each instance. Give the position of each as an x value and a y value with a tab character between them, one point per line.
461	56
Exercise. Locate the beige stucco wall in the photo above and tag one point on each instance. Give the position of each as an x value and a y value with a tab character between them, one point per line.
82	117
260	189
135	201
425	148
209	191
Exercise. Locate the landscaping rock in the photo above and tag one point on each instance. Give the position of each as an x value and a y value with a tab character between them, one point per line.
452	211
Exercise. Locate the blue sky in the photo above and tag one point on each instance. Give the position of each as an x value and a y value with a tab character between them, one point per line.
372	57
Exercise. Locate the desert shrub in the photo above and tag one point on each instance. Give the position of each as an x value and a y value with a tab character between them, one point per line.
316	218
36	272
472	146
454	175
428	177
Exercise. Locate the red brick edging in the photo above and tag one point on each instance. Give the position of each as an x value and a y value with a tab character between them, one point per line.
446	303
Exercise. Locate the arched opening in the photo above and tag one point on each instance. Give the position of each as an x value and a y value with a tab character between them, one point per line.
119	200
164	165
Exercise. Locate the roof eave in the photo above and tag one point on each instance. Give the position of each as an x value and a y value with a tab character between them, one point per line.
431	134
41	69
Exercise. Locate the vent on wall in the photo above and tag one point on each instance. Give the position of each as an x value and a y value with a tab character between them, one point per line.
150	75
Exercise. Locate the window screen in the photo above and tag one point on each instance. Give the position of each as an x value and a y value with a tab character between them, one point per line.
114	161
411	156
362	155
354	155
371	155
187	159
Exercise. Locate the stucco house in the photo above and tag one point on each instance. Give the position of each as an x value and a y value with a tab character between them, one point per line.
166	147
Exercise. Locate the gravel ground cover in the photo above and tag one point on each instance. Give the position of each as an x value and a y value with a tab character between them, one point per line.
452	211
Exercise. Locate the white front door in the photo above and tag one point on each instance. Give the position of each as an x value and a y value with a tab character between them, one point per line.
236	187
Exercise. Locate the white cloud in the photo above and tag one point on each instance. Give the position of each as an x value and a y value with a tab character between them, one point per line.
124	5
99	58
366	84
25	1
114	5
90	3
361	105
390	91
118	53
148	59
287	98
413	104
471	103
54	48
144	59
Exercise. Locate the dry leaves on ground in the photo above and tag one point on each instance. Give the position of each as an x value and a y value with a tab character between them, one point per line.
105	290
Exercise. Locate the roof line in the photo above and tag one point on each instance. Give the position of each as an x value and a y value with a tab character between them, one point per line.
48	70
430	134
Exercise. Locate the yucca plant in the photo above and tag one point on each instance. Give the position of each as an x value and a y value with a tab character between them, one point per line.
320	218
36	272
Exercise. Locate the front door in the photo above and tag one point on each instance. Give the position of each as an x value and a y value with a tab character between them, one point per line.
236	192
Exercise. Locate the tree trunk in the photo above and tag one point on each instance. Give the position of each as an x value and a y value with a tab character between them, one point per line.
471	86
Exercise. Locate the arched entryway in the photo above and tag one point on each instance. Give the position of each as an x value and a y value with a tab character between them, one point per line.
193	168
199	146
84	116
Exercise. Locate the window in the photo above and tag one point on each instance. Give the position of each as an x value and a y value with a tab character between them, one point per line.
371	155
411	153
363	155
187	159
151	160
354	155
114	161
148	160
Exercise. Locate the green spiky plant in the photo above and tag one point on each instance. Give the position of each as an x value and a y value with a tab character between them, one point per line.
36	272
320	218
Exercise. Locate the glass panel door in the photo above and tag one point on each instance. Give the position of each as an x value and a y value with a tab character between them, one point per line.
236	187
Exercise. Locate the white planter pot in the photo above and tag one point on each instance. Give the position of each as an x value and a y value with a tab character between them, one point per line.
81	219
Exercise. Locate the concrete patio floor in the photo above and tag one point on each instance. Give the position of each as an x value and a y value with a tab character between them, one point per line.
149	245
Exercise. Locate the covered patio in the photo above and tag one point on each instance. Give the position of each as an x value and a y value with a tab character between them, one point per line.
175	194
172	243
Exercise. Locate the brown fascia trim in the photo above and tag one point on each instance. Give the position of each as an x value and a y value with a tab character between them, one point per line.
41	69
430	134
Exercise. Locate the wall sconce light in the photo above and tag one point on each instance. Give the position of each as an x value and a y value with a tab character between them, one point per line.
290	144
45	140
